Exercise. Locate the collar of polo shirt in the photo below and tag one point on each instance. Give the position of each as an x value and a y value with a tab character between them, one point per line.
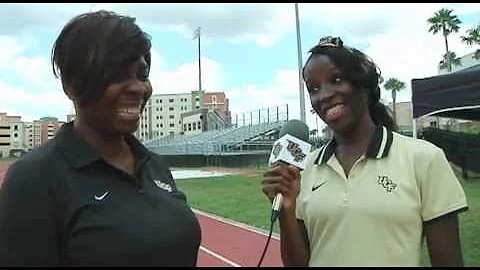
378	148
79	153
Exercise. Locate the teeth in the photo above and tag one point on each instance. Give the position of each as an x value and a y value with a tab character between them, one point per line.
130	110
336	107
334	110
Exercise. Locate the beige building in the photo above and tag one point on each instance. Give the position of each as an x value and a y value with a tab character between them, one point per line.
404	115
11	134
28	135
17	136
405	124
196	121
164	114
4	135
45	129
192	122
219	102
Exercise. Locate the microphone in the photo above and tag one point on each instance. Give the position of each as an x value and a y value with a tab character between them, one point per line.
291	148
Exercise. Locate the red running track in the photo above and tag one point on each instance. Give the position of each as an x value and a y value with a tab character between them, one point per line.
226	243
235	244
3	171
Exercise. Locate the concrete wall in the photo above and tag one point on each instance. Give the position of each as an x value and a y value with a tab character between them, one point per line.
221	161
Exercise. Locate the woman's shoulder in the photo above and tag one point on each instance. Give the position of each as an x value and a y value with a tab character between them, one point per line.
34	162
32	173
415	145
159	160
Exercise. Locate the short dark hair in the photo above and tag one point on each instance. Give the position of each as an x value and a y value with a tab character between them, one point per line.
360	71
94	49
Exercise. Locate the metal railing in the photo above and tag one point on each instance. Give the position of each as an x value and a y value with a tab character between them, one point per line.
231	140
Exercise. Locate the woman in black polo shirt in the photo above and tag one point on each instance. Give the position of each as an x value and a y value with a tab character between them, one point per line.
94	195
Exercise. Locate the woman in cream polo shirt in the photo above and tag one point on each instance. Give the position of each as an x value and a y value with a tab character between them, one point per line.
370	196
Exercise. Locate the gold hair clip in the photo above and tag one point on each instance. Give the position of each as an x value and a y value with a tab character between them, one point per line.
330	41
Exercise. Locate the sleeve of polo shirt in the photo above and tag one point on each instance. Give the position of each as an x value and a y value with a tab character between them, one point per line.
27	224
441	191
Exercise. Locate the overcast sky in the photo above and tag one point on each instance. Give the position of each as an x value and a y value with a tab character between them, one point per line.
248	50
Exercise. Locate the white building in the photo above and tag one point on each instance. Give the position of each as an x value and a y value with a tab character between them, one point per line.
162	115
466	62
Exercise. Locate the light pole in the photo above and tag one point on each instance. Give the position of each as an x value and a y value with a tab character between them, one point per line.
197	36
300	62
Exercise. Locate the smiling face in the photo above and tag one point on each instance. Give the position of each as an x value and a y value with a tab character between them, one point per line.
118	111
338	103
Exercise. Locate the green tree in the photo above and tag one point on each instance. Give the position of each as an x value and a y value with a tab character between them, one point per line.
381	80
445	22
450	60
394	85
473	37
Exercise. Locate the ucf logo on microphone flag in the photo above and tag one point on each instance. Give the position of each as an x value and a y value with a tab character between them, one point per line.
290	150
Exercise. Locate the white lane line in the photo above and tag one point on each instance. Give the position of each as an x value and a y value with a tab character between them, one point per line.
236	224
219	257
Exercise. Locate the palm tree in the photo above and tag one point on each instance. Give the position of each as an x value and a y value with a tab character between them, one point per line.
473	37
394	85
450	59
444	21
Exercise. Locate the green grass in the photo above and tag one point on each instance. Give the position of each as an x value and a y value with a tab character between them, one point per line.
240	198
469	226
7	160
237	197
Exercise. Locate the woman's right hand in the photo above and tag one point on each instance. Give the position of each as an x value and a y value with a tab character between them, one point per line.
284	179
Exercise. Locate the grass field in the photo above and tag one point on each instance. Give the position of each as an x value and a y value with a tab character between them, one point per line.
235	197
240	198
7	160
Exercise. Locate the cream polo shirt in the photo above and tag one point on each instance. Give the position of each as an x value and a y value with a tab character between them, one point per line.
374	216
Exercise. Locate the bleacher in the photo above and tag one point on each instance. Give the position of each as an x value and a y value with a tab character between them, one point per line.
233	140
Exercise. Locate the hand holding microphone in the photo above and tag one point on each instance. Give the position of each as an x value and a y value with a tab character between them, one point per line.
281	183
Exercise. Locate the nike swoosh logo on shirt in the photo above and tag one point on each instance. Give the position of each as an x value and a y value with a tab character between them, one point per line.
99	198
319	185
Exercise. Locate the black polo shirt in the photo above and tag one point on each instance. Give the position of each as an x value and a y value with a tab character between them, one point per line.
63	205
